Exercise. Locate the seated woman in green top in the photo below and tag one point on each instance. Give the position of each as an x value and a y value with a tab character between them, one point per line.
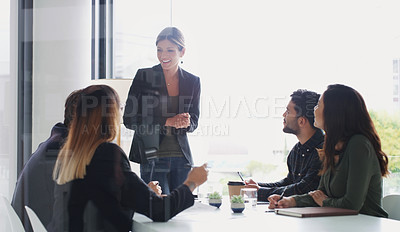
352	158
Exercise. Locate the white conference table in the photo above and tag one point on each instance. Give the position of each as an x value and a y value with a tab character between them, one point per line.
202	217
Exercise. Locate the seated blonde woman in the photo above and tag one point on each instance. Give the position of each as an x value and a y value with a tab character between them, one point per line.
96	189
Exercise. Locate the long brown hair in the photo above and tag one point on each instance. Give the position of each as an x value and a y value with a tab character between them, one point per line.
345	114
96	121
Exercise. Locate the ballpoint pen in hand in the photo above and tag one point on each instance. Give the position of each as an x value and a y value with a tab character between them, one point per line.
240	175
283	192
281	196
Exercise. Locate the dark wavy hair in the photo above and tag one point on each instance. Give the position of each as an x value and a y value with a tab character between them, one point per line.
305	101
345	114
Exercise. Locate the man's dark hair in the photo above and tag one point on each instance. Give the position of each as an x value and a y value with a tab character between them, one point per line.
305	101
70	106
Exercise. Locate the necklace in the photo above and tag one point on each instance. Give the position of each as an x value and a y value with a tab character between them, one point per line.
172	81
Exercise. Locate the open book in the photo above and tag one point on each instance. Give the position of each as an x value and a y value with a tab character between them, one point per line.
315	211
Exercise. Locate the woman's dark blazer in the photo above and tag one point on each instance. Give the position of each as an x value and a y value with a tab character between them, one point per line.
109	194
146	110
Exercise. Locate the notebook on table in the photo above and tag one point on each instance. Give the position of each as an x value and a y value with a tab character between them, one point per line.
315	211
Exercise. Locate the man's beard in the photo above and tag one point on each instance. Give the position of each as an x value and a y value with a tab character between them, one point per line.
289	130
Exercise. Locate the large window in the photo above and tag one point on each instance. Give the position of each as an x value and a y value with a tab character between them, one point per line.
134	34
251	55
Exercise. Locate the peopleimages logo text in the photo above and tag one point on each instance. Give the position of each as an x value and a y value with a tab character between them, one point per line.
212	107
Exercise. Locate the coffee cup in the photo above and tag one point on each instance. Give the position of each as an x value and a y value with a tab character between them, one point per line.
234	187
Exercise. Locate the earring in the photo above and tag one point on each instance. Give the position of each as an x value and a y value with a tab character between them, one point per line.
181	61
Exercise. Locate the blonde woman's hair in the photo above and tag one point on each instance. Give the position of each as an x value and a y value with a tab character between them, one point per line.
96	121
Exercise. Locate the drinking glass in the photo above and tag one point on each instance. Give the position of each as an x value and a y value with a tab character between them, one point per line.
249	196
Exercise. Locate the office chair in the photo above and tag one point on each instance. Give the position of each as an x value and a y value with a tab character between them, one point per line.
37	225
15	222
391	203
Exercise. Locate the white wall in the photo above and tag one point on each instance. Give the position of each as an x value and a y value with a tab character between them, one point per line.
8	93
62	62
61	59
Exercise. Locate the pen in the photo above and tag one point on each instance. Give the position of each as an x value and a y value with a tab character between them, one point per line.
283	192
281	196
240	175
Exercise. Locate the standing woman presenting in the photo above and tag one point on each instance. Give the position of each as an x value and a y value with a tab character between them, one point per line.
162	106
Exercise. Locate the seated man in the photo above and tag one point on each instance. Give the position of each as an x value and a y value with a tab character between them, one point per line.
303	160
35	185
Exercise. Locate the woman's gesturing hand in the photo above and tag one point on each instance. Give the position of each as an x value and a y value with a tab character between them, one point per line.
179	121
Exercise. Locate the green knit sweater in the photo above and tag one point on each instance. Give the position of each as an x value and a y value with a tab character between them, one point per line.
355	184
